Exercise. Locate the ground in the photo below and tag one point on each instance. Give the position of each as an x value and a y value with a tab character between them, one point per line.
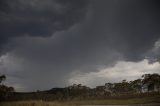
149	101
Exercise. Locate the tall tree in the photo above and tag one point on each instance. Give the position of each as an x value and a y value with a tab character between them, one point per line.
2	78
136	85
151	78
5	91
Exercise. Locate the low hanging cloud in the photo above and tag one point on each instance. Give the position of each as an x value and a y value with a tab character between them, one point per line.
154	53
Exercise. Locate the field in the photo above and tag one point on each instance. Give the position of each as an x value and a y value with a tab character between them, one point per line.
144	100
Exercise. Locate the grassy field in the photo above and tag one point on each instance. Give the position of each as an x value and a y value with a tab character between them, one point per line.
144	100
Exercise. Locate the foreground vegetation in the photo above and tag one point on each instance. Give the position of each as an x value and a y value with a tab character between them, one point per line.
111	101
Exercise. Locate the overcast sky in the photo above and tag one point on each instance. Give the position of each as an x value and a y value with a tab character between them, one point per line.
55	43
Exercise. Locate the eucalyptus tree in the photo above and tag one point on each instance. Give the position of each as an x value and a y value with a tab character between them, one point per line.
5	91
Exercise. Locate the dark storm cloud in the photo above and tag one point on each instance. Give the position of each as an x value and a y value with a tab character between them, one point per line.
130	26
84	41
38	17
139	24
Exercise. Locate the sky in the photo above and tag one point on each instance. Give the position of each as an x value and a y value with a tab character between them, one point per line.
56	43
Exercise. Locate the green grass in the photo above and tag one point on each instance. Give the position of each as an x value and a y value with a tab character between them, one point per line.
142	100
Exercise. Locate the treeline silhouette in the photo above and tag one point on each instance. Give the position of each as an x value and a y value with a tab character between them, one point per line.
149	84
5	91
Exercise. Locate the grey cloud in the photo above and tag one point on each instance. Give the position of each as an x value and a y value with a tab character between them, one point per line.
153	54
132	27
112	30
38	17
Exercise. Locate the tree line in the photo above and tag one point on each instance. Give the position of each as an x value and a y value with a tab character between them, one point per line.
147	83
